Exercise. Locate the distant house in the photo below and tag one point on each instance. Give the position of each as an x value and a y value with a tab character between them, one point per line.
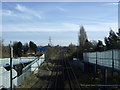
30	52
40	51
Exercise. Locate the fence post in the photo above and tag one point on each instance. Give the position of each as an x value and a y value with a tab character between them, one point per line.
112	62
96	64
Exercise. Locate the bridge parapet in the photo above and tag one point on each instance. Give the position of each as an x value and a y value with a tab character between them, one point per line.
26	71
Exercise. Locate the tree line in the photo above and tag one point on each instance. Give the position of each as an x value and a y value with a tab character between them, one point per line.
54	52
19	49
84	45
111	42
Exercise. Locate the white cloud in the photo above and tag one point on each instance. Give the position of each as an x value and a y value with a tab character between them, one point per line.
102	27
25	13
13	14
28	11
60	27
61	9
27	28
71	26
8	13
116	3
41	27
99	26
21	8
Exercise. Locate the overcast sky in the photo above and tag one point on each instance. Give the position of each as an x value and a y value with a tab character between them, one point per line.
36	21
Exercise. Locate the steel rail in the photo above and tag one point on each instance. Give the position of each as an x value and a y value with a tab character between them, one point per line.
68	74
75	78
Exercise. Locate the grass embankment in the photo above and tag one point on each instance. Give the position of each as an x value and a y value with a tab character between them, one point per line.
29	81
34	78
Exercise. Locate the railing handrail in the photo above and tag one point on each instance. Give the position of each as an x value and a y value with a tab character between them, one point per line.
35	60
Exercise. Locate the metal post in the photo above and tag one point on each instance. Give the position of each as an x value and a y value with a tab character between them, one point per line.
96	64
112	62
10	66
95	71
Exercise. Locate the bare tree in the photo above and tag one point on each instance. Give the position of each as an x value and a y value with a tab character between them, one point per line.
82	37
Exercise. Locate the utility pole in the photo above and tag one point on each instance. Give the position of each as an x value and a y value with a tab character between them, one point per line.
50	41
11	54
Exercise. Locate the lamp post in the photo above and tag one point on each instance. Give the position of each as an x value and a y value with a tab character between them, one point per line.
11	55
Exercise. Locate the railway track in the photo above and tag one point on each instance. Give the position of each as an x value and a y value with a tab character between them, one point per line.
56	77
71	77
63	76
